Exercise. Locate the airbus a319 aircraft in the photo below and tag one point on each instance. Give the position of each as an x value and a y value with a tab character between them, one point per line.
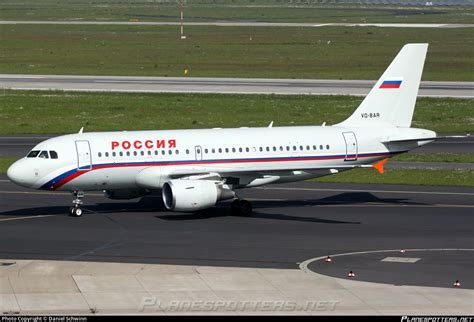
194	169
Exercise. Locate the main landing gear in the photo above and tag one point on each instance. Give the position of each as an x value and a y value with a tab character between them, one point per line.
241	207
76	210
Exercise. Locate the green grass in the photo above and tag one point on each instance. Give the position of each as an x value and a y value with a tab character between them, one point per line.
436	157
402	176
38	112
211	10
353	53
5	163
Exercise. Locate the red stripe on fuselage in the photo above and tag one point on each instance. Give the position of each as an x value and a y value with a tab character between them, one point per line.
62	182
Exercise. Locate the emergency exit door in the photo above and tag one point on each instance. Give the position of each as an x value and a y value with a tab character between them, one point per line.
84	160
351	146
198	151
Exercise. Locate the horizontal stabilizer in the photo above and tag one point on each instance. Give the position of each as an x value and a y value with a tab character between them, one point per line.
434	138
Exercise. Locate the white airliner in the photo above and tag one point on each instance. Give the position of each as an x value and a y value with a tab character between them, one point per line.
194	169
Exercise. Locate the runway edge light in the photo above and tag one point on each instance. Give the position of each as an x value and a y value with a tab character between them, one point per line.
328	259
457	284
351	274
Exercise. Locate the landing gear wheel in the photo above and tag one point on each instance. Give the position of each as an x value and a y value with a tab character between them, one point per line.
75	211
240	207
245	208
235	207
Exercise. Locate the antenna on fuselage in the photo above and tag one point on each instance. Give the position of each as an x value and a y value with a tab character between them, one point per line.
80	131
271	124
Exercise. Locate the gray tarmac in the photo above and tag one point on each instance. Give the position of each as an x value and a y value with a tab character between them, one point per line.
291	223
235	24
220	85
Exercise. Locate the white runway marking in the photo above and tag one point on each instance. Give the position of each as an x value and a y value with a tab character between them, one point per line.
304	265
26	217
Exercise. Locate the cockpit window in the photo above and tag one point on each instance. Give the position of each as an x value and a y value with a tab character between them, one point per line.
44	155
33	154
53	154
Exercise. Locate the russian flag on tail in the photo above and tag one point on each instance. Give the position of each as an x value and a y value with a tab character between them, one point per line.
391	83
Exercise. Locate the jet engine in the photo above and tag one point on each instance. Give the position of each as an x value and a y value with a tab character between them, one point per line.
126	193
192	195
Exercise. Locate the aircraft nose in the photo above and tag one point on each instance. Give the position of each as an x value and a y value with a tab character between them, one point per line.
18	174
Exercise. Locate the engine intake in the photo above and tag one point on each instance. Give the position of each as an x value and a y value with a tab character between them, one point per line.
193	195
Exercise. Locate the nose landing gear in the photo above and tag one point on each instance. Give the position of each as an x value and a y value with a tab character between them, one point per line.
76	210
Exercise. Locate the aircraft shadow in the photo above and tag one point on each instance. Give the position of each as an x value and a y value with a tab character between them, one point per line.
151	203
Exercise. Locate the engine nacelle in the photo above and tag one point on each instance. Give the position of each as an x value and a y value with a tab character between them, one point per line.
193	195
126	193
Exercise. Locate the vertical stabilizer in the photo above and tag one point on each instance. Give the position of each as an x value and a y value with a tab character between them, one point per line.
392	99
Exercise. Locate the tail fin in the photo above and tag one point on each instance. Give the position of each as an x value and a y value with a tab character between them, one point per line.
392	99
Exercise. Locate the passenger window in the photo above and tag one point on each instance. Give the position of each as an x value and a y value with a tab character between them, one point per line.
187	151
268	149
213	150
163	152
308	148
149	152
156	152
287	148
320	147
260	149
53	154
327	147
33	154
206	151
294	147
142	153
43	155
247	149
177	152
274	148
100	155
226	150
301	148
233	150
240	149
314	147
281	148
170	152
128	153
107	154
220	150
113	154
120	153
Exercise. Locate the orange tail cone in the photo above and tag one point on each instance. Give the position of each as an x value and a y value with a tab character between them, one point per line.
379	165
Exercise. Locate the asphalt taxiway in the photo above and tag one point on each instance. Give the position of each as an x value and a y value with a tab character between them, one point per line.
134	257
290	224
220	85
223	23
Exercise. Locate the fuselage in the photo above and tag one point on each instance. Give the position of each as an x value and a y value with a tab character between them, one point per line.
113	160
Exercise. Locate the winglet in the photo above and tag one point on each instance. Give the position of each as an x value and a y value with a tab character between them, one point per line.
379	165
